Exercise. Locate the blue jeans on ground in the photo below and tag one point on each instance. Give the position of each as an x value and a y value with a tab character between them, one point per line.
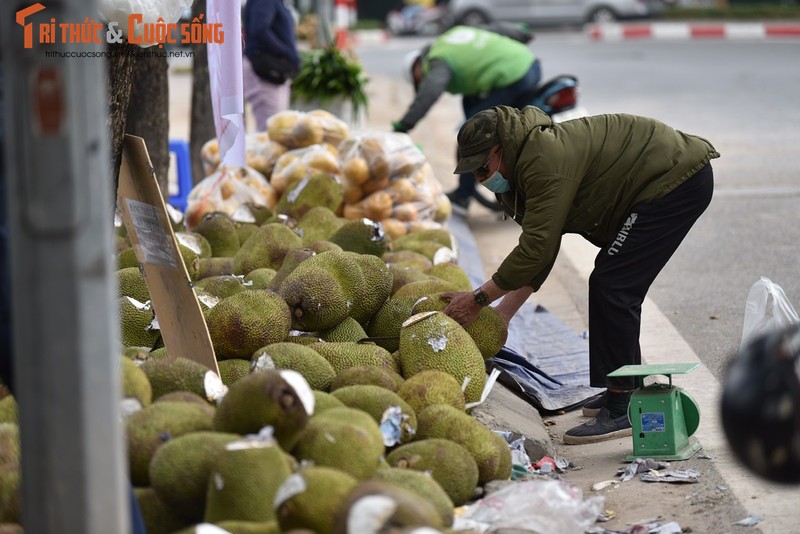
502	96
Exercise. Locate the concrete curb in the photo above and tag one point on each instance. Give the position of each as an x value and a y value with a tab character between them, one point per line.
686	31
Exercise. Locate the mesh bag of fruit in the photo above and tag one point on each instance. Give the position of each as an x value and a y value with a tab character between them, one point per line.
225	190
298	129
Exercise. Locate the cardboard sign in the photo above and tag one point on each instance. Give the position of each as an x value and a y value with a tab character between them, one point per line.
180	318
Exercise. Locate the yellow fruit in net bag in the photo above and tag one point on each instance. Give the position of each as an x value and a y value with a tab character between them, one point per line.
356	170
394	228
378	206
405	212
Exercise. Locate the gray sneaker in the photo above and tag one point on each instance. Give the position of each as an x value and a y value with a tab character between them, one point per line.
600	428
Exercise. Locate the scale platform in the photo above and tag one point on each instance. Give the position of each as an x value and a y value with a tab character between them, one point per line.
663	417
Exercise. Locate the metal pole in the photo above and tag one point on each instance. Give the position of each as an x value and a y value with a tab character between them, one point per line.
60	205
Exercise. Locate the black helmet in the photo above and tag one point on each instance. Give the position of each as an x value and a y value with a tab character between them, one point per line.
761	405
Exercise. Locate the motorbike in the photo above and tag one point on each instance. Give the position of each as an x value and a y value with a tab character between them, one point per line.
558	98
417	20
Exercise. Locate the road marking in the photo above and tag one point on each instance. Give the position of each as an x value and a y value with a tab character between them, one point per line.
662	343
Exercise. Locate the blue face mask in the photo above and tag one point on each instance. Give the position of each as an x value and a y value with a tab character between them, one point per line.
496	183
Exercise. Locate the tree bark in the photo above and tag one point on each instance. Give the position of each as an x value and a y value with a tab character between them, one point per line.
148	112
201	128
120	74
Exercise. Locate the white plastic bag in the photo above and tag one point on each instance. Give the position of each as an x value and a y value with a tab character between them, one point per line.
767	308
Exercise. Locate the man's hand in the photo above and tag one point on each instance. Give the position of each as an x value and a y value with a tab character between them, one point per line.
400	126
462	307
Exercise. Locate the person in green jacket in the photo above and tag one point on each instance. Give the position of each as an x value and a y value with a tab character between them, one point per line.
633	186
488	66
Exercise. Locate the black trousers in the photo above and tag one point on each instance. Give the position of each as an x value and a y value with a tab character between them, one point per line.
625	269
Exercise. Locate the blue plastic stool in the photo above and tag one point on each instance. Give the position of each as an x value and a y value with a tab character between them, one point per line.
184	168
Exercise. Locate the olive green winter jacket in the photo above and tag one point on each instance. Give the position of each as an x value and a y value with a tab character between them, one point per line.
583	176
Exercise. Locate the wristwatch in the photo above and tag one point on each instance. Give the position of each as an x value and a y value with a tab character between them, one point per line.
481	298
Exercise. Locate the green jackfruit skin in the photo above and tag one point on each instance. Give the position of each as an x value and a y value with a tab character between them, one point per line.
435	341
260	399
315	369
325	401
292	259
318	224
208	267
439	236
403	275
158	518
259	212
245	230
321	290
233	370
347	330
345	438
127	258
408	258
180	469
152	426
367	375
134	325
488	449
375	290
362	236
244	481
375	400
450	272
450	464
388	320
130	282
260	278
432	387
246	321
411	510
249	527
196	241
10	497
313	508
191	260
135	382
426	248
222	286
324	246
316	190
220	231
266	247
186	396
489	330
343	355
9	411
422	288
176	374
423	485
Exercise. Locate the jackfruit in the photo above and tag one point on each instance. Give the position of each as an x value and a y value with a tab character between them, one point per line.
130	282
166	375
244	480
259	212
237	527
214	267
325	401
377	402
450	464
374	291
324	246
303	338
488	449
403	274
347	330
292	259
375	506
221	287
260	278
135	384
345	438
429	249
489	330
432	387
423	485
9	411
425	287
180	469
191	260
152	426
10	495
266	247
197	242
388	320
309	498
220	231
158	518
246	321
321	290
452	273
342	355
367	375
232	370
135	323
408	258
186	396
245	230
271	397
309	363
432	340
318	224
363	236
440	236
318	189
127	258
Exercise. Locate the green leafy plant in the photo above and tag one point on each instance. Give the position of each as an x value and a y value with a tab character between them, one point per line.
327	74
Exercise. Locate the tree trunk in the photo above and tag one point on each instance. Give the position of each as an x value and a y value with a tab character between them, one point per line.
201	128
148	113
120	74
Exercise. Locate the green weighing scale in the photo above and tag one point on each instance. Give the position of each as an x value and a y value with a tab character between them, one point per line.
663	417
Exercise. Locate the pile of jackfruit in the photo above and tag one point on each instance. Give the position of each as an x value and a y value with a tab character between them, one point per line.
380	175
343	394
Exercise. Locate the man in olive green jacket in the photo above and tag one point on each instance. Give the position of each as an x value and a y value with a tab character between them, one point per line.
632	186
